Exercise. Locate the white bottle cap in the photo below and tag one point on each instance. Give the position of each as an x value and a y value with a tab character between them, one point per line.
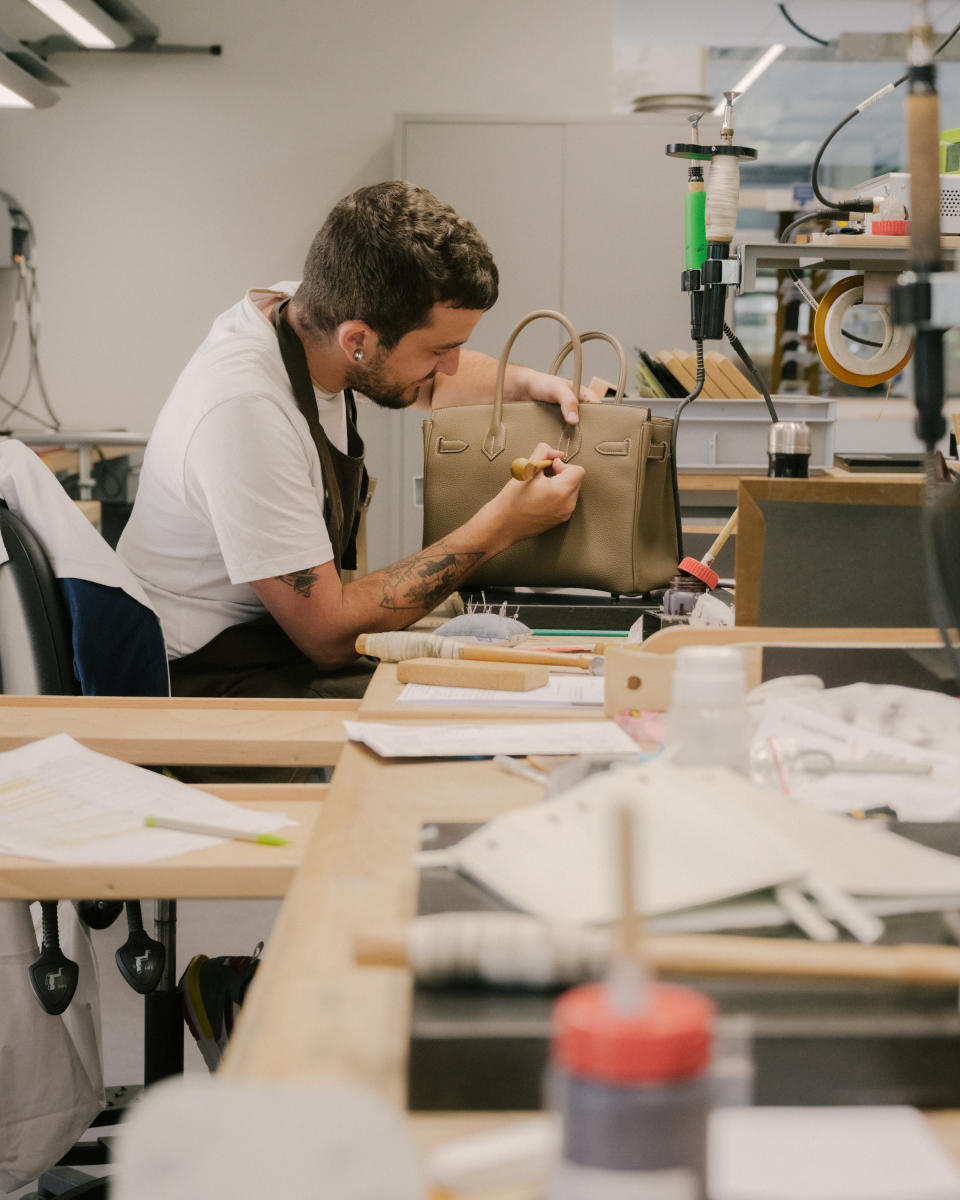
708	676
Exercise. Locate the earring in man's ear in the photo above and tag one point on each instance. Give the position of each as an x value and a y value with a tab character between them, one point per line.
357	355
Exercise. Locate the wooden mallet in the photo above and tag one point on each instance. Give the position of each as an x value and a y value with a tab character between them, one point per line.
525	468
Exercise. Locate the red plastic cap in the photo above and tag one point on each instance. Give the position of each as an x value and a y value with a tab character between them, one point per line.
900	228
699	570
668	1039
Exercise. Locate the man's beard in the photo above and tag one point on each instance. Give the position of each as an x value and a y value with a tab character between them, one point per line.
368	379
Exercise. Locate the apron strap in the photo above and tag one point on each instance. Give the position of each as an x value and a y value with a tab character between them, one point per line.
342	512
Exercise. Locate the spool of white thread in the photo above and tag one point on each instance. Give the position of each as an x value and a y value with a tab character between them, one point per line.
723	197
504	949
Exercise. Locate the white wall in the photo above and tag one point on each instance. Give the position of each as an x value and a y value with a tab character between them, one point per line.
160	187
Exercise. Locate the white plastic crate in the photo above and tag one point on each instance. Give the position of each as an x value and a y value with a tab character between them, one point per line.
729	436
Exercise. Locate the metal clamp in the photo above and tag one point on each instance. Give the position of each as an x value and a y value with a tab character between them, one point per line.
926	302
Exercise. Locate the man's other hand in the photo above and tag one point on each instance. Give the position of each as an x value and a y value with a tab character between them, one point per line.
527	384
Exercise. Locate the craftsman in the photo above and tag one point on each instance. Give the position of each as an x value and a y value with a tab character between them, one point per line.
253	480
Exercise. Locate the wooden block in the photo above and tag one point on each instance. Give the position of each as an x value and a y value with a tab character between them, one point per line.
721	385
602	387
454	672
710	390
736	377
675	364
635	679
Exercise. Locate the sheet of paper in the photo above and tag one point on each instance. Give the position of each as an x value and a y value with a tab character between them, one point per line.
934	797
63	802
862	1153
491	737
563	690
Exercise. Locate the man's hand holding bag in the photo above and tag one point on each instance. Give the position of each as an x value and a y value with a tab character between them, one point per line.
620	537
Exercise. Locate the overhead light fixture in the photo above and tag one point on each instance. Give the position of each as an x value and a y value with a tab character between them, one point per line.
25	80
767	59
99	24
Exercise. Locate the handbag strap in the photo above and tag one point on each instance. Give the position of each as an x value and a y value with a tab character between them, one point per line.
496	436
598	335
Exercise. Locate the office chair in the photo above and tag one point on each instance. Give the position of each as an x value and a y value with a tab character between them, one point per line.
53	632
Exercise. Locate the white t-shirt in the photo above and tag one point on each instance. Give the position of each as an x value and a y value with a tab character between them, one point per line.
231	488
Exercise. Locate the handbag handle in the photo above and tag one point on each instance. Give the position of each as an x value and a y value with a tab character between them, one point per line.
595	335
496	436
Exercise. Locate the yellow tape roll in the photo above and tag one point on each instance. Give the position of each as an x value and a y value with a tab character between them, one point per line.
837	356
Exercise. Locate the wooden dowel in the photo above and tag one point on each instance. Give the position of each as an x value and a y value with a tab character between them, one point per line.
721	538
587	662
722	954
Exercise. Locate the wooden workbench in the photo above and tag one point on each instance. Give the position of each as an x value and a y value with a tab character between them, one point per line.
311	1012
165	731
229	870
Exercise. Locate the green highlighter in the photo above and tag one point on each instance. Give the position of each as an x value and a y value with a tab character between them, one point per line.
218	831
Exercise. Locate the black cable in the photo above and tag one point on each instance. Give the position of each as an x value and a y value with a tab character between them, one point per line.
31	296
796	276
799	29
817	213
34	330
747	361
862	205
698	388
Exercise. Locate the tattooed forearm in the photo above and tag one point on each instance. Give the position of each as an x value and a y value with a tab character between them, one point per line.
422	581
302	582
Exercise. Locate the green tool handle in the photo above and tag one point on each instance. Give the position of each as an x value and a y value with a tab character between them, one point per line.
695	228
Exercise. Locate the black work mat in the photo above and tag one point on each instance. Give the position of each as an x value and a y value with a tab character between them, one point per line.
815	1042
541	610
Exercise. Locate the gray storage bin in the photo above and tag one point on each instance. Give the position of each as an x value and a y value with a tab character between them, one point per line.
730	436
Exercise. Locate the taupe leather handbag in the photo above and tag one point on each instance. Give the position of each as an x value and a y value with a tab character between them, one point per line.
622	537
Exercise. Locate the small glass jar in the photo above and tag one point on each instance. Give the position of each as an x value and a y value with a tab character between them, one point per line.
788	450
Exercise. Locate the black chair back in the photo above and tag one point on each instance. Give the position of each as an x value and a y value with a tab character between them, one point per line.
36	654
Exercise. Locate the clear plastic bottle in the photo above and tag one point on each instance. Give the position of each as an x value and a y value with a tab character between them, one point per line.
707	723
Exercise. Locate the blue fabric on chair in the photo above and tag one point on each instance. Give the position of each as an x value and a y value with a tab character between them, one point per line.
135	661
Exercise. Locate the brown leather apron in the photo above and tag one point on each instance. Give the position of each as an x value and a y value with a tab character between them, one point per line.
256	658
345	480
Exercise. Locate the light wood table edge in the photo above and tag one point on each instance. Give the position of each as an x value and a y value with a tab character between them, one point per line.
311	1010
666	641
185	736
218	703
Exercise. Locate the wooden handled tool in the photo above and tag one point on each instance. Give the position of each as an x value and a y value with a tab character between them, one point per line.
525	468
399	646
721	954
702	568
721	539
587	662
